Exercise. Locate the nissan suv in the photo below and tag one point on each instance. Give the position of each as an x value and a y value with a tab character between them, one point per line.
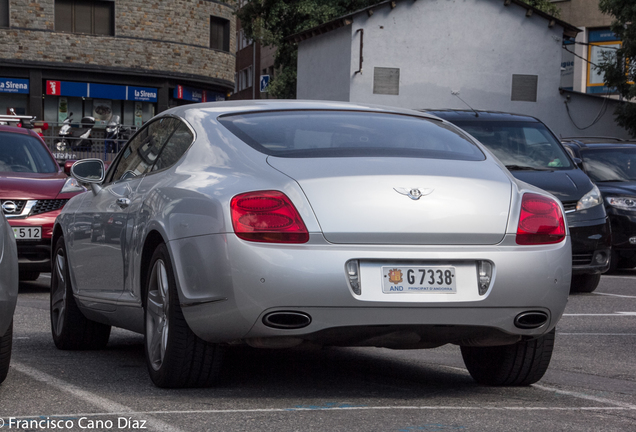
33	190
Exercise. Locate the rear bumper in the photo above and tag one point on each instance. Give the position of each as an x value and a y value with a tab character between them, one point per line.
226	287
411	328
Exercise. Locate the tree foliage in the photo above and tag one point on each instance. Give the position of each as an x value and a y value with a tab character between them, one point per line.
546	6
619	74
271	21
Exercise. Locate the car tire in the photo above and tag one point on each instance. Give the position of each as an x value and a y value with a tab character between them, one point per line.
175	356
520	364
585	283
6	340
29	275
70	328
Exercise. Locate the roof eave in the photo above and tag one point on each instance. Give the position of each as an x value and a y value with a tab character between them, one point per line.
568	29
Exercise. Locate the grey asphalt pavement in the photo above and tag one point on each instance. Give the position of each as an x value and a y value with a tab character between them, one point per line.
590	385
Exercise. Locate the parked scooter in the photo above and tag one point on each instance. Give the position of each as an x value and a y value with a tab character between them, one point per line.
76	139
116	135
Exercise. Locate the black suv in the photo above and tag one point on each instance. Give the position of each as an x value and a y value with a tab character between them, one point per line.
611	164
534	155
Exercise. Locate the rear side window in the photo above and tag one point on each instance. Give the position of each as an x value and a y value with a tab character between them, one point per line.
140	154
23	153
174	148
315	133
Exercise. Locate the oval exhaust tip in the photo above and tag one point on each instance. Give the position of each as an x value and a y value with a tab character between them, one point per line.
287	320
531	319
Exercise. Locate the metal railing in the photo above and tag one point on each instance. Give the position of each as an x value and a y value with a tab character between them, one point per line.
100	148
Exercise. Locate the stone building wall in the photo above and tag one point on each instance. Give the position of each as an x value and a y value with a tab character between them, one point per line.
170	36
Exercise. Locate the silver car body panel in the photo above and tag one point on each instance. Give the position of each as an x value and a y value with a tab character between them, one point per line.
226	285
9	272
467	202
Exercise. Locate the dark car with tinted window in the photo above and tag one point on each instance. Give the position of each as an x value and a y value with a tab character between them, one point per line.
611	164
533	154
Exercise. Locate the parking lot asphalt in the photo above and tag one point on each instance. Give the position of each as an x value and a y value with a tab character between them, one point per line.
590	385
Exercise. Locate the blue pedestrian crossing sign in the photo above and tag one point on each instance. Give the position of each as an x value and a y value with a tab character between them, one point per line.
264	83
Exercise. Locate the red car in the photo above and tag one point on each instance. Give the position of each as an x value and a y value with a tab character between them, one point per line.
33	190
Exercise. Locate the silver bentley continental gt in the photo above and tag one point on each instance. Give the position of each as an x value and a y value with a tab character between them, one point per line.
281	223
8	292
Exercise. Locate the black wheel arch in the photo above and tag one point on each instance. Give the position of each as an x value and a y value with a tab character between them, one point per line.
57	233
153	239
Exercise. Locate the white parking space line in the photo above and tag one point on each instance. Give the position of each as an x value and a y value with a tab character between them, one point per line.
339	408
115	409
617	404
112	407
597	334
615	314
585	396
614	295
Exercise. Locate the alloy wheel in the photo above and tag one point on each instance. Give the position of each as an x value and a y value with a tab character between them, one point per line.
58	295
157	309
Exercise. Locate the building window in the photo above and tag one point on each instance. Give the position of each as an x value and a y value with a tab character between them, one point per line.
219	34
4	13
245	78
242	41
85	16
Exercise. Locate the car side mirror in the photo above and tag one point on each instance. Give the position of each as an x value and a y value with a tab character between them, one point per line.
578	162
67	166
89	172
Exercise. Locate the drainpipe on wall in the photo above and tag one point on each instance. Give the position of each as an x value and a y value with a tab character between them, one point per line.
254	69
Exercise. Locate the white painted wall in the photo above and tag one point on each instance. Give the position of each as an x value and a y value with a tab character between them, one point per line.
441	46
323	66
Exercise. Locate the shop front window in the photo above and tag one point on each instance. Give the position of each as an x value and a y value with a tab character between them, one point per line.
85	16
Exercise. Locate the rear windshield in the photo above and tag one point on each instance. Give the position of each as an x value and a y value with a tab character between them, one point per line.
520	145
313	134
23	153
610	164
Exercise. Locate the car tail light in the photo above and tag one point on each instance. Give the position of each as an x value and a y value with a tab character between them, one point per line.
267	216
540	221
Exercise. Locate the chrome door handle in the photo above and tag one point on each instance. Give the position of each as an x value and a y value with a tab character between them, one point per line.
123	202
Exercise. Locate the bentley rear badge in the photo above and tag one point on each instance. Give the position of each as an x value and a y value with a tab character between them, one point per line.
414	193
